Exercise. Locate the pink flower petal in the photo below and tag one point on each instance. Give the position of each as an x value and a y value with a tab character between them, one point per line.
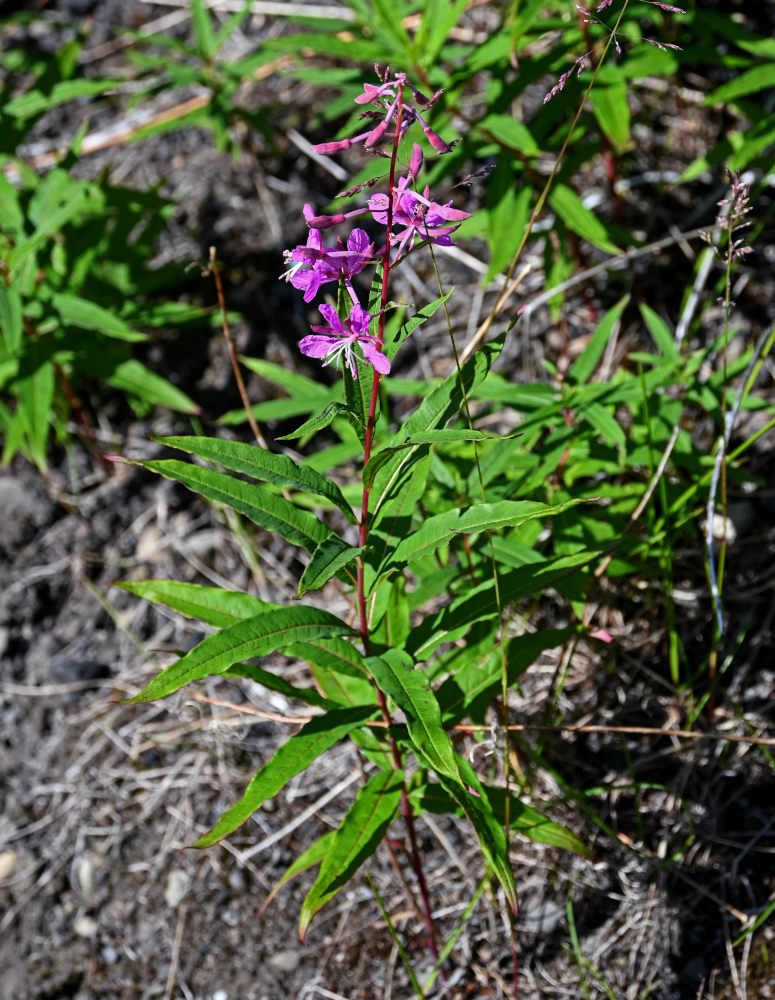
375	357
317	346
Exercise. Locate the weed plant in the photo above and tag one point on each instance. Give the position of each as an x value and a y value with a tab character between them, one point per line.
593	477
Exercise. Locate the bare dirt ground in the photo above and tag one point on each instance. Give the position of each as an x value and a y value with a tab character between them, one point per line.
97	899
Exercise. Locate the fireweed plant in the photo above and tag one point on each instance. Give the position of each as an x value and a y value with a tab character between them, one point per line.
425	647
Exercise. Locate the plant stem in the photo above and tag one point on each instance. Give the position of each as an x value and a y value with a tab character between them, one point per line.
363	534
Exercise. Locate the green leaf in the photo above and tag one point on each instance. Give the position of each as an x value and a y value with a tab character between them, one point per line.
202	24
476	681
294	756
604	423
423	314
133	377
89	316
213	605
332	555
757	78
266	509
34	102
410	689
612	110
438	530
570	208
357	838
508	210
357	394
261	464
315	424
334	654
479	604
35	392
511	133
440	405
273	682
438	17
588	359
307	859
10	318
264	633
659	330
51	223
444	435
472	797
523	819
10	208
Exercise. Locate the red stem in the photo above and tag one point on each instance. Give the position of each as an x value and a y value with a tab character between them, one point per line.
363	533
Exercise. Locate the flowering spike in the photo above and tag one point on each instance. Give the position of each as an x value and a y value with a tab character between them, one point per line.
435	140
326	148
376	135
415	164
325	221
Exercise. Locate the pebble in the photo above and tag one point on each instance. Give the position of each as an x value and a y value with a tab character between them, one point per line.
285	961
109	955
178	882
7	864
220	995
85	927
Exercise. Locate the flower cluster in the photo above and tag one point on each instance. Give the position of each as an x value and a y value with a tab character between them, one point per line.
579	64
408	214
732	217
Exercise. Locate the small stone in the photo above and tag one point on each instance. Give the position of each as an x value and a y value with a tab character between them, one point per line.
85	873
285	961
109	955
85	927
220	995
7	864
178	882
540	917
149	548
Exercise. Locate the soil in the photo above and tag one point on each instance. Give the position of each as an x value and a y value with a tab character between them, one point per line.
98	898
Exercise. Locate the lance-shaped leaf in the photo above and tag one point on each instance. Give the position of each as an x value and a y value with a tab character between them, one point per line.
290	759
273	682
328	558
454	620
393	343
438	530
523	819
261	464
440	405
357	394
479	679
257	636
438	436
312	856
266	509
317	423
471	796
213	605
357	838
335	654
410	689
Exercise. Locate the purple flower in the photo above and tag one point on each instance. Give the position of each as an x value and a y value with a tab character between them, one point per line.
349	339
416	213
387	97
314	265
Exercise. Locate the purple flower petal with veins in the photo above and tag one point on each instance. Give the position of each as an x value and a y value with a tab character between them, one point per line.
314	265
349	340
